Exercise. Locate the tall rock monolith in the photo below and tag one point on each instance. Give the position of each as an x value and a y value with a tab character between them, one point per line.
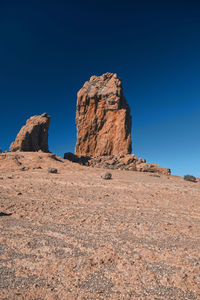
103	118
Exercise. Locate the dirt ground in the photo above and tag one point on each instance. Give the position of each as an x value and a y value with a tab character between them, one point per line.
74	235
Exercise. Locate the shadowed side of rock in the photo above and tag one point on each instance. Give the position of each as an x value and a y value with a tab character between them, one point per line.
33	136
103	118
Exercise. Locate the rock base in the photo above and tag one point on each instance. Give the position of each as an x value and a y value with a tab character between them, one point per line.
124	162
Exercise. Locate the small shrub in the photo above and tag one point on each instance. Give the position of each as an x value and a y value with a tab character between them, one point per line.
190	178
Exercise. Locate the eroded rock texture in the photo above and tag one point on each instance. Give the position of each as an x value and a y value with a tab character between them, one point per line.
33	136
103	118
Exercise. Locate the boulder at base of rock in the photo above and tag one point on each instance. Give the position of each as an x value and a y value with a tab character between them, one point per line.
33	136
153	168
103	118
71	156
127	162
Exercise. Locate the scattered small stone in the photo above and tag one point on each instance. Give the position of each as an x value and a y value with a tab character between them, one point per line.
106	175
2	214
154	175
23	169
19	193
52	170
185	276
190	178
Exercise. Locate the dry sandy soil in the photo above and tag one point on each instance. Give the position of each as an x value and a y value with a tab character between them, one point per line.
73	235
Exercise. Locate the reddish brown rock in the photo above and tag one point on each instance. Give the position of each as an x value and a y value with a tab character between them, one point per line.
126	162
103	118
123	162
153	168
33	136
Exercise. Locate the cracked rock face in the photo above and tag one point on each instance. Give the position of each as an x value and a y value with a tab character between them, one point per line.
103	118
33	136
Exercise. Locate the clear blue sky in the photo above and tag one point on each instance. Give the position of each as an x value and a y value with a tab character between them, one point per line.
48	49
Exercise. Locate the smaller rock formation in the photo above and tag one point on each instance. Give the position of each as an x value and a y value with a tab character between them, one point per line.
33	136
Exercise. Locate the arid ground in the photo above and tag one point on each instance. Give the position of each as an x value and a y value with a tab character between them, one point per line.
74	235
